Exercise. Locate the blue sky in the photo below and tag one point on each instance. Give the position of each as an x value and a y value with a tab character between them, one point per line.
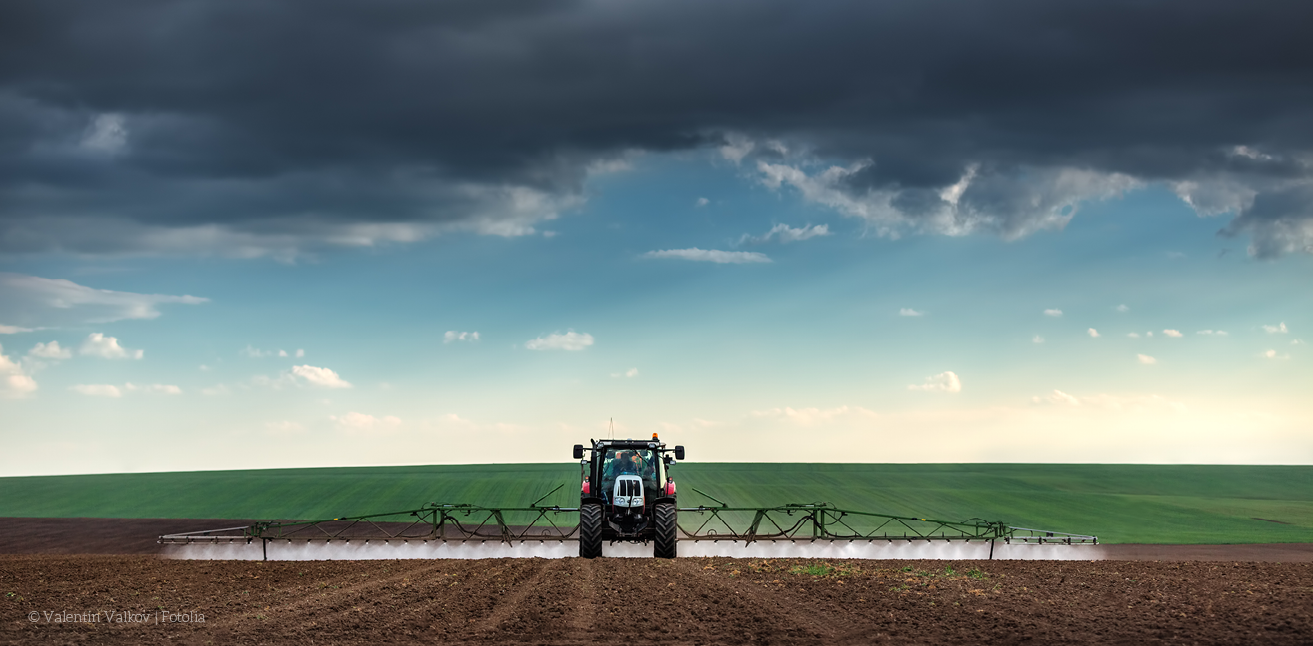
836	349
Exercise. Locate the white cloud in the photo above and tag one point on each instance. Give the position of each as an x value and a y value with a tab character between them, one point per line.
452	335
163	389
785	233
702	201
1275	329
1272	354
632	372
14	381
1175	334
1134	335
1094	334
947	382
97	390
107	347
1297	342
300	353
360	423
282	353
320	377
54	301
710	255
1148	334
50	351
907	311
1146	359
1212	332
1122	308
13	329
569	341
1037	339
212	391
1053	313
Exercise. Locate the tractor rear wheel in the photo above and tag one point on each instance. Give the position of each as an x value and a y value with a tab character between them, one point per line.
590	531
664	542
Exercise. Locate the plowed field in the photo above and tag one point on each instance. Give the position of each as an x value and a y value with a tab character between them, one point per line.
145	599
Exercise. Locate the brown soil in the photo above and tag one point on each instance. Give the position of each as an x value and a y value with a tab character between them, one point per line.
96	535
695	601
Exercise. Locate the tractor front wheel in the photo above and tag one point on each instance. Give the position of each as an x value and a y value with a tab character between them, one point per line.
590	531
666	528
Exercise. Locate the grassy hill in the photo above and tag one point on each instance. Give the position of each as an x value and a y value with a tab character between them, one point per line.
1118	503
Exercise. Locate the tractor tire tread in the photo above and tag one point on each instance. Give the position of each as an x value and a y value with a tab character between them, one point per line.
590	531
665	542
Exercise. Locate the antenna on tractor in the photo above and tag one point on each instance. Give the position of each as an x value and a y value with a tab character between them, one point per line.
613	428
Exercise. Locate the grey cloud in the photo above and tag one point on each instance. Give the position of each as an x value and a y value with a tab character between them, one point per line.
262	127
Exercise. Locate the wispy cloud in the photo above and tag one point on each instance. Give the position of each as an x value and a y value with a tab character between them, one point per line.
1146	359
1133	335
1037	339
453	335
1094	334
786	233
37	301
1122	308
569	341
702	201
1276	329
1212	332
256	353
110	390
163	389
1110	402
1054	313
1175	334
630	373
284	427
1272	354
13	329
907	311
808	416
107	347
97	390
711	255
945	382
361	423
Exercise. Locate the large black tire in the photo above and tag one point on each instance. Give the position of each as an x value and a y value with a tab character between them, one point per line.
664	543
590	531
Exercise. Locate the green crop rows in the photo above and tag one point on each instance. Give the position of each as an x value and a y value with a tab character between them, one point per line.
1118	503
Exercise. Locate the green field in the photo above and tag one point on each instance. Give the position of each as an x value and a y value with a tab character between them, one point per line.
1118	503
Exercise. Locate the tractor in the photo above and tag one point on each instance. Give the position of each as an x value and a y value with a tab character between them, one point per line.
627	494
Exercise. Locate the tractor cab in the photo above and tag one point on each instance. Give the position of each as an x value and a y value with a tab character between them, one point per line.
627	493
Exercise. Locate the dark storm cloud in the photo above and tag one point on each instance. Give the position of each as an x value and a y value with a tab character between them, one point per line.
313	121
